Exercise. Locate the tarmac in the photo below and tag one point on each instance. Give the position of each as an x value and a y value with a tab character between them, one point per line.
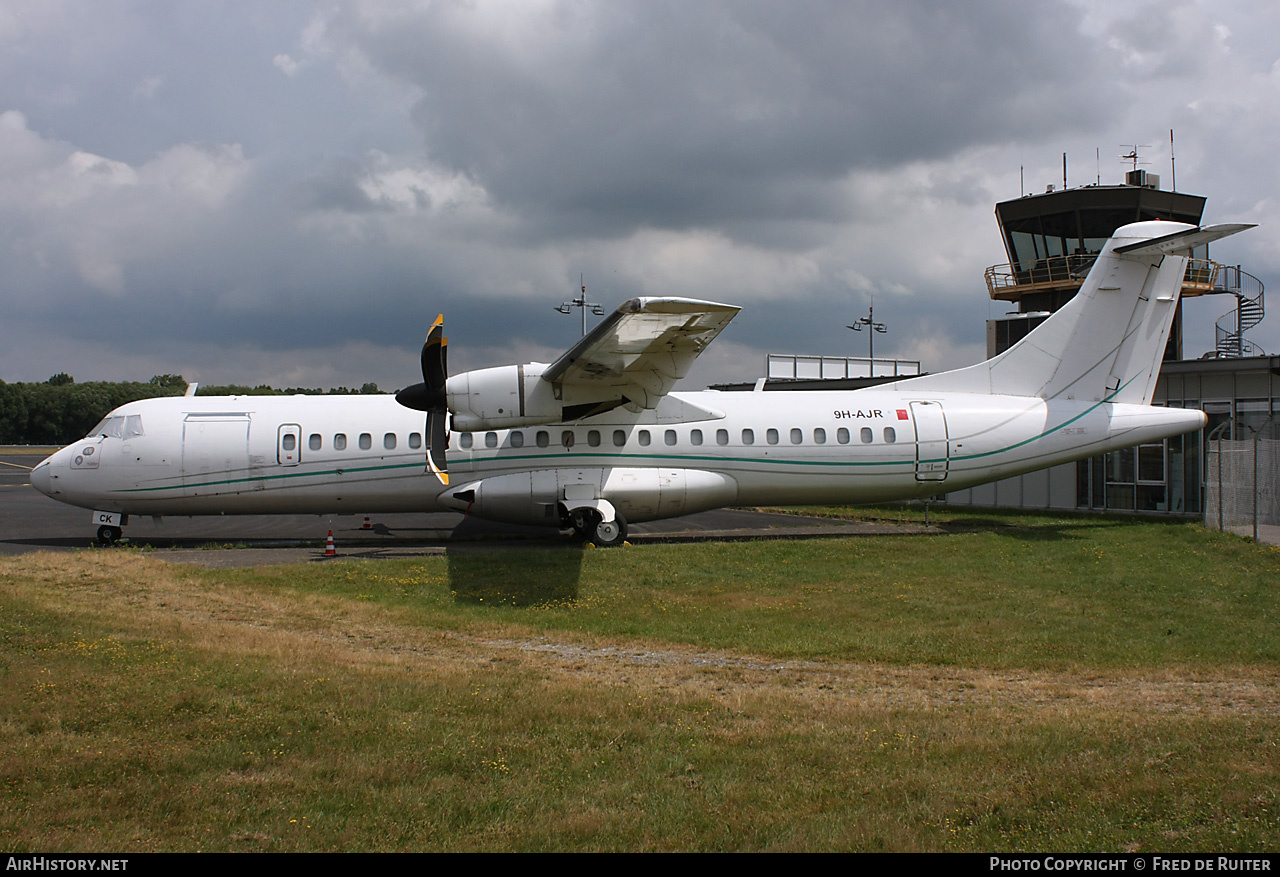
34	522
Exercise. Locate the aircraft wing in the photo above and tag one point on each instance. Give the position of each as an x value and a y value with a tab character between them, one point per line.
637	353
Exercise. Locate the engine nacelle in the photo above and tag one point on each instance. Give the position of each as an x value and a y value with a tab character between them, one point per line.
541	495
502	398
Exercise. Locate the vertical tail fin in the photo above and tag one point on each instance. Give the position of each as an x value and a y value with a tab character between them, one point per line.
1107	342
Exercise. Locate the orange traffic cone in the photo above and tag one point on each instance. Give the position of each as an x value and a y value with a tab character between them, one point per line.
367	525
329	550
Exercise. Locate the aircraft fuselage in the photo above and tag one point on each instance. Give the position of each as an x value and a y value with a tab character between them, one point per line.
313	454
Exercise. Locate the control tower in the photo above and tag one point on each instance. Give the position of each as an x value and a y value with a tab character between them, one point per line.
1052	239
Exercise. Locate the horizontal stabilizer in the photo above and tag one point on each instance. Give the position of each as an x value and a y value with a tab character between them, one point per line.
1181	243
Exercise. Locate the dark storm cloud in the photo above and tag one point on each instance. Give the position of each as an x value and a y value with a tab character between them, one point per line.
608	117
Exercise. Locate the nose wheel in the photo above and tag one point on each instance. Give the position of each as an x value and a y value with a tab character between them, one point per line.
109	535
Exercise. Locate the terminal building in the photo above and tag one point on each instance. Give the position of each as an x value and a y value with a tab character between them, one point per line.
1051	240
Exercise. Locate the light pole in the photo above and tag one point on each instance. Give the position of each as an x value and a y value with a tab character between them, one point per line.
581	302
872	328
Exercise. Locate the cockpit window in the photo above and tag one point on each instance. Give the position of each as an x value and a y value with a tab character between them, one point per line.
119	426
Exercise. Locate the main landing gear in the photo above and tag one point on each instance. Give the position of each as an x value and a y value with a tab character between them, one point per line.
589	526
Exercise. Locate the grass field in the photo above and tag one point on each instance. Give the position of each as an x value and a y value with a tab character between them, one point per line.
1018	683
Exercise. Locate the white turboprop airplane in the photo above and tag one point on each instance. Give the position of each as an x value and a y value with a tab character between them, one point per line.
596	439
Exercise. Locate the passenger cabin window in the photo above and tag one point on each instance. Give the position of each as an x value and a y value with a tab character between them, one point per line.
467	440
543	439
644	438
866	435
722	436
314	442
366	441
389	441
695	436
797	436
820	436
490	439
415	440
517	438
619	438
340	441
289	441
669	437
842	436
890	435
566	438
748	437
771	436
593	438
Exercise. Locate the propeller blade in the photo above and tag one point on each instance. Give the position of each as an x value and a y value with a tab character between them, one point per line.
430	396
438	443
435	369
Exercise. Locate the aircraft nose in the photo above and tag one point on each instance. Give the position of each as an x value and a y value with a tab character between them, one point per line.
42	478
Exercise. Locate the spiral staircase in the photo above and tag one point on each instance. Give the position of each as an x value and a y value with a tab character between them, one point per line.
1249	310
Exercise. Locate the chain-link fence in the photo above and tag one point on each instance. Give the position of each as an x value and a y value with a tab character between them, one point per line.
1242	477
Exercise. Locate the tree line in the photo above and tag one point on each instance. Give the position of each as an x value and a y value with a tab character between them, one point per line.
59	411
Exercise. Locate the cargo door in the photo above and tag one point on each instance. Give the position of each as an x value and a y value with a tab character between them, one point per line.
215	454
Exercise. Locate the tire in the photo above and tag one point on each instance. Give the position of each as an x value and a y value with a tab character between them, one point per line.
109	535
611	534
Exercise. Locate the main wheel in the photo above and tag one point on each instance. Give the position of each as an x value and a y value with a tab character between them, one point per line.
609	534
109	535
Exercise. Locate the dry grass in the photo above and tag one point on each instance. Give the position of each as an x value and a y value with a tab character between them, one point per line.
149	706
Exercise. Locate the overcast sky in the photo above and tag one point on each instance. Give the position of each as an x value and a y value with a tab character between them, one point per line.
289	192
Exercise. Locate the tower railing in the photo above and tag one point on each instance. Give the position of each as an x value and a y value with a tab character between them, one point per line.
1012	282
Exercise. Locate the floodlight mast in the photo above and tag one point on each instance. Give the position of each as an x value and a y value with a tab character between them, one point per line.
581	302
868	322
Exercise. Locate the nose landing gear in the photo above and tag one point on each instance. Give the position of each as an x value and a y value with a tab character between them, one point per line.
109	535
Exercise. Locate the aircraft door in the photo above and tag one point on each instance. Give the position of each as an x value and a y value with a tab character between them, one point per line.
215	453
289	445
932	447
